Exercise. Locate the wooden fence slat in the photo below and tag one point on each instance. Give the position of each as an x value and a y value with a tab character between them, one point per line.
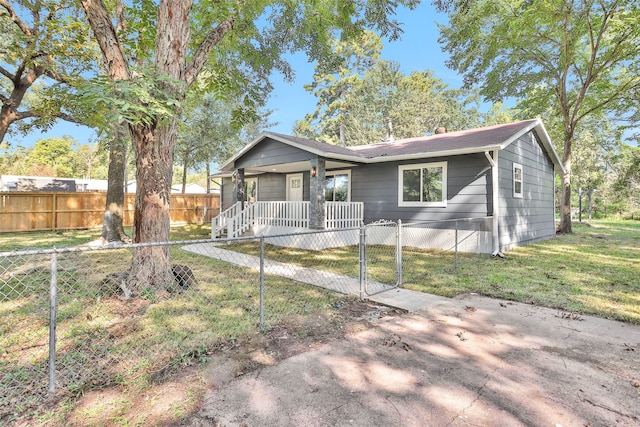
31	211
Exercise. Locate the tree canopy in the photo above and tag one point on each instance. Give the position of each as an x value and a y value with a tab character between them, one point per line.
359	101
164	49
580	56
45	50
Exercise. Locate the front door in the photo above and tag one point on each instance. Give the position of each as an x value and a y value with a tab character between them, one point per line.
294	187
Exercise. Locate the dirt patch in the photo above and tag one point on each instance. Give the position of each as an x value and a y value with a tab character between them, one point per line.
173	398
463	361
304	333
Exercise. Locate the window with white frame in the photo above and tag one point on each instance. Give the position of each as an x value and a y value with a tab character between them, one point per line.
337	186
422	184
518	180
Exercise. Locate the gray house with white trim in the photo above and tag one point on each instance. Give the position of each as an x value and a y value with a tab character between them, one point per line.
280	183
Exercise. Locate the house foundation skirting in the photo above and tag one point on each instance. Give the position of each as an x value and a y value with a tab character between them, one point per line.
301	238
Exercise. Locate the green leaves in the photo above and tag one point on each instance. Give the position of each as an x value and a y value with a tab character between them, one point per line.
140	101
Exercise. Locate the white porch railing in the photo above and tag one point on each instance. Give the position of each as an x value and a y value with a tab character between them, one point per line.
343	214
284	214
221	222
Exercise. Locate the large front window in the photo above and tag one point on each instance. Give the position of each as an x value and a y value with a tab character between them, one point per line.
422	185
336	186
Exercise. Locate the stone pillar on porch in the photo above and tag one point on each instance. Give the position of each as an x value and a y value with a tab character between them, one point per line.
316	194
238	187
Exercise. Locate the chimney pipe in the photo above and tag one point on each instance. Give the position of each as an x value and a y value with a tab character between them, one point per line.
390	137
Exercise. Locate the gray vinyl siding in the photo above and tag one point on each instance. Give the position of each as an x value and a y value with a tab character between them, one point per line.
530	218
272	187
468	190
226	198
270	152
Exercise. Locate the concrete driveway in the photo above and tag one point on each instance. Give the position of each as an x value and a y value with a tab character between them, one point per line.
469	361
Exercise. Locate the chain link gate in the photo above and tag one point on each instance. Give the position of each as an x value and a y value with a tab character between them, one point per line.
380	257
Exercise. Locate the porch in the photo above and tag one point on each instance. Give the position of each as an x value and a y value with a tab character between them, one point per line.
268	218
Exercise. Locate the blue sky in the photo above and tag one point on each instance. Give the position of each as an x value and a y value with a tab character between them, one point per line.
417	50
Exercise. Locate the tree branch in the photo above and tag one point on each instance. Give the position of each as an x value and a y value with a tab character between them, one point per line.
16	19
100	22
203	51
6	73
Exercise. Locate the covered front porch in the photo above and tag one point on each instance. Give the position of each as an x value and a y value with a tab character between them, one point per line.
278	186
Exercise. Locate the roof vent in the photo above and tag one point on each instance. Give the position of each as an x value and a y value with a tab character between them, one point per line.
441	129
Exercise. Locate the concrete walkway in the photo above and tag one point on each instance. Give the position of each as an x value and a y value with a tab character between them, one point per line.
380	293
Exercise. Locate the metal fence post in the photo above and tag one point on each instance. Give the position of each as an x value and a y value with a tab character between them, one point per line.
363	259
456	247
399	251
53	293
262	284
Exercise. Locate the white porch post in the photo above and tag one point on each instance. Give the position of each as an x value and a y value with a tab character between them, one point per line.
316	194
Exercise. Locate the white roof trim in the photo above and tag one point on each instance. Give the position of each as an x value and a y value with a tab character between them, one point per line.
536	124
544	138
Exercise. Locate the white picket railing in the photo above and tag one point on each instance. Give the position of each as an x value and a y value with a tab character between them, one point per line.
221	222
343	214
282	214
236	221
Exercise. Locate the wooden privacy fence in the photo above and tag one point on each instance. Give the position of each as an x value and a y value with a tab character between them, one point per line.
30	211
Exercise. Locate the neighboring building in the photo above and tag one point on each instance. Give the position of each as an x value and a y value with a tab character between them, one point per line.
36	183
189	189
503	171
44	183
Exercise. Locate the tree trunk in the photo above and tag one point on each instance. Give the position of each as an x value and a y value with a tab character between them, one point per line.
112	227
9	111
208	178
185	165
565	204
151	265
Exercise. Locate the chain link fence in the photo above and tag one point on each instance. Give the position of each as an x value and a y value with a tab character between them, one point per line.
434	248
67	326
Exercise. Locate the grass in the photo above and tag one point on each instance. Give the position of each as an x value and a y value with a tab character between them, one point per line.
595	270
104	342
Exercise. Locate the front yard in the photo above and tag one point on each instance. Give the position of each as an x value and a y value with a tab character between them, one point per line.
136	346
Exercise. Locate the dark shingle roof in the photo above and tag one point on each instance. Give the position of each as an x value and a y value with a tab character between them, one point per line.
471	139
443	144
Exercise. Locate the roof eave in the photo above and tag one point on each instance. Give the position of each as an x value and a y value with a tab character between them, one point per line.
544	138
279	138
445	153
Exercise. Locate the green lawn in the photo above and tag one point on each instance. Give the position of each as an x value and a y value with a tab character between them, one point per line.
106	342
595	270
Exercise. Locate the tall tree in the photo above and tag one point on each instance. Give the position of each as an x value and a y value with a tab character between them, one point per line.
333	86
238	44
381	98
54	155
577	55
43	50
208	134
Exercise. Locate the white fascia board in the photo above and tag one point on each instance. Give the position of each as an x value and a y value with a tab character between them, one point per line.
417	156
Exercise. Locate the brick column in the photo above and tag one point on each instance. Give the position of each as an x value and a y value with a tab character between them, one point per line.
316	194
